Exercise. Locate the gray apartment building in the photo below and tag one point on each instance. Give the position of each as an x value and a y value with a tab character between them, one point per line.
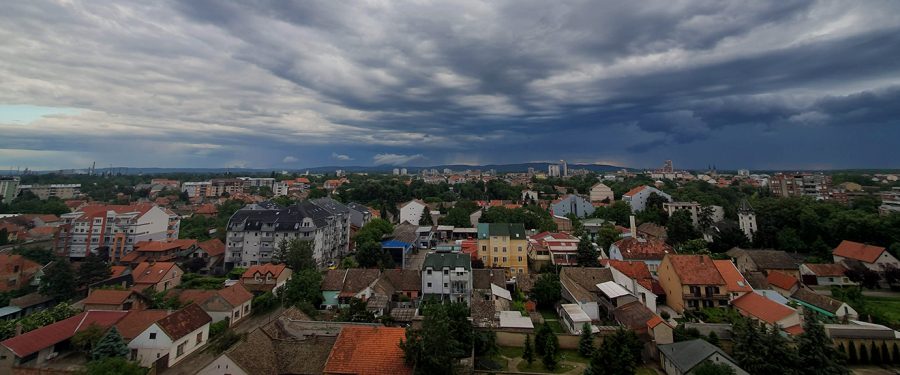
447	277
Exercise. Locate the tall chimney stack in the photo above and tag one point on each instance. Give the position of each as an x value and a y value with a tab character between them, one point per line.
633	227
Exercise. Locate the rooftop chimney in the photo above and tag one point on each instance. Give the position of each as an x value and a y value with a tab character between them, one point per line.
633	227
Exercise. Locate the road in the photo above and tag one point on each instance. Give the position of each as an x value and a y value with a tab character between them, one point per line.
198	360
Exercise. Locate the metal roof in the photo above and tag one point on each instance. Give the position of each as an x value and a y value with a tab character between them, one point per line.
612	290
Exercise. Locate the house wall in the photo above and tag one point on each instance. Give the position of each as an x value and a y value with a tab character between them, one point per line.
491	251
600	192
671	284
663	334
191	344
885	260
573	204
639	201
412	212
644	295
149	350
330	297
170	281
222	365
240	312
437	279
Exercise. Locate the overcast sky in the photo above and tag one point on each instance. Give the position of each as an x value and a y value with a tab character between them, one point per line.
279	84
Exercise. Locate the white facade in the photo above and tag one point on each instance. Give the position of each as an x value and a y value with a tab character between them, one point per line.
717	213
118	228
884	261
601	192
197	189
411	212
154	343
638	200
223	365
632	286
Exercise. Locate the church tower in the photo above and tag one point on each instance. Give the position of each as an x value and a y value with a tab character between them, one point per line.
747	219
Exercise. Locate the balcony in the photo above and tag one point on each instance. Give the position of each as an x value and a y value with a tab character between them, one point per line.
236	238
235	248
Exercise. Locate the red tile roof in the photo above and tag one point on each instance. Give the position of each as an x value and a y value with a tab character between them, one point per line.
182	244
184	321
781	280
762	308
695	270
263	269
213	247
632	269
368	350
151	273
136	321
117	271
734	281
823	270
107	297
236	294
634	191
643	249
207	209
32	342
859	251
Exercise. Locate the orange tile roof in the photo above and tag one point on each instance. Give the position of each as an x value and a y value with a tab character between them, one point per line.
263	269
236	294
655	321
368	350
859	251
147	273
827	269
47	336
116	271
762	308
184	321
207	209
107	297
136	321
634	191
164	245
695	270
794	330
781	280
643	249
734	281
632	269
213	247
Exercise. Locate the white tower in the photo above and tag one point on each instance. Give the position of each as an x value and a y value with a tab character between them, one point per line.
747	219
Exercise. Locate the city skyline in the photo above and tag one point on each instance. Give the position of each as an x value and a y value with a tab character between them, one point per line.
792	85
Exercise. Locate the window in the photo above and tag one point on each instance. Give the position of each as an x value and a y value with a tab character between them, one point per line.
429	272
152	335
180	351
199	338
446	272
446	285
495	249
495	260
504	259
520	259
429	285
484	248
520	249
504	249
237	314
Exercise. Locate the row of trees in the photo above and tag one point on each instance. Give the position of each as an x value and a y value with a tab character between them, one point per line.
446	336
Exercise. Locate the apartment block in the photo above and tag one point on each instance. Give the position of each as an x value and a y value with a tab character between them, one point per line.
61	191
503	245
8	188
816	185
113	228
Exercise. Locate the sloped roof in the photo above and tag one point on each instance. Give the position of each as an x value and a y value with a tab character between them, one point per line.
136	321
333	280
33	341
262	269
184	321
438	261
368	350
213	247
773	259
826	270
643	249
686	355
636	316
107	297
261	354
404	280
859	251
582	281
483	278
358	279
634	191
236	294
116	271
734	281
818	300
781	280
762	308
633	269
165	245
696	270
151	273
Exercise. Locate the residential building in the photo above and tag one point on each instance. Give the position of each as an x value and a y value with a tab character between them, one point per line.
231	303
400	285
549	248
503	245
768	312
114	227
649	251
579	286
16	271
9	186
340	286
735	283
171	339
158	276
359	215
254	234
447	277
815	185
782	283
683	357
573	318
635	277
572	204
370	350
601	193
258	182
199	189
875	258
411	212
341	215
890	201
114	299
553	170
159	251
692	282
213	252
266	277
747	219
221	186
716	213
637	197
824	274
749	260
648	326
823	305
61	191
35	348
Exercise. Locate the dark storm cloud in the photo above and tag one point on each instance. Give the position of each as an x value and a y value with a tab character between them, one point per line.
294	83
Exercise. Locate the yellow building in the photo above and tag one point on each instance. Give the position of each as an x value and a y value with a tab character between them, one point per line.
502	245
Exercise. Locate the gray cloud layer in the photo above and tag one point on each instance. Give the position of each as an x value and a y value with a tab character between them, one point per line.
217	83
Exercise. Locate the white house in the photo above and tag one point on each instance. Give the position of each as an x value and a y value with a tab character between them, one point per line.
172	338
876	258
638	275
411	211
824	274
600	192
447	277
637	197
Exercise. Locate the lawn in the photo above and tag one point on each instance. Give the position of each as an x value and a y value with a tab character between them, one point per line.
564	354
537	366
645	371
886	307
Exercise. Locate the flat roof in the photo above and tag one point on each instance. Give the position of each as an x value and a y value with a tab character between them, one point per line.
514	319
612	290
576	313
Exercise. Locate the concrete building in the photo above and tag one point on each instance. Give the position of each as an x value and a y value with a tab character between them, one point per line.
411	211
9	186
600	193
553	170
502	245
254	235
637	197
692	282
572	204
815	185
197	189
115	228
447	277
171	339
61	191
716	213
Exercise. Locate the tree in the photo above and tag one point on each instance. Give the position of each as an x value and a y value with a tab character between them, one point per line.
92	269
86	339
586	255
111	345
540	338
303	287
58	281
607	235
782	357
749	347
695	246
296	253
527	351
713	338
551	350
356	312
728	238
486	343
425	219
546	291
619	354
712	368
586	342
114	365
705	217
433	348
457	217
680	228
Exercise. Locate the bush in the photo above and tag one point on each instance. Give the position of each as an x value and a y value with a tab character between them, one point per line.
264	303
225	341
218	328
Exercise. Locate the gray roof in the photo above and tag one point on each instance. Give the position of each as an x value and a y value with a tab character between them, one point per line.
773	259
357	207
285	219
686	355
451	260
331	205
483	278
